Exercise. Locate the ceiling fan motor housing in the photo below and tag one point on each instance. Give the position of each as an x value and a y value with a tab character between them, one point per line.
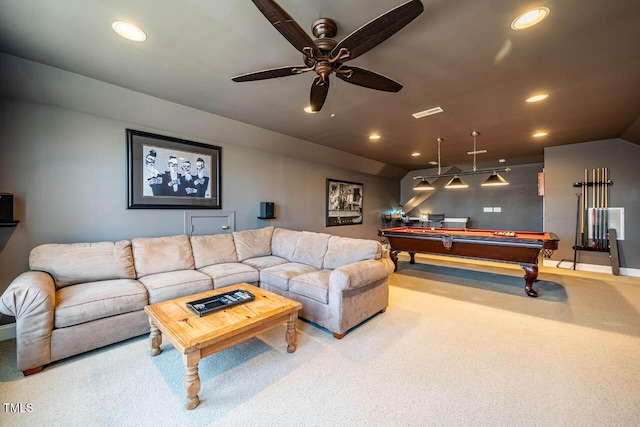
324	29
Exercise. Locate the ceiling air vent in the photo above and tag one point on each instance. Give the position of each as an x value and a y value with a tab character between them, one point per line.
428	112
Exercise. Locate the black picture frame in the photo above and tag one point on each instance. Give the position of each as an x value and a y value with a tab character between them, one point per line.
158	169
344	202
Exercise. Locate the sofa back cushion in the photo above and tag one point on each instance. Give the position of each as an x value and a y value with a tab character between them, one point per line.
154	255
310	248
213	249
283	243
253	243
346	250
73	263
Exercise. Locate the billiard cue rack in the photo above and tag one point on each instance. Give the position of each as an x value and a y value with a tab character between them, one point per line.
592	223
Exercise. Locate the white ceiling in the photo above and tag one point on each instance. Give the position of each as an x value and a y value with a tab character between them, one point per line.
460	55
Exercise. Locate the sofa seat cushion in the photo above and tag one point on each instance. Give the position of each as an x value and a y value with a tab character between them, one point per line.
175	284
314	285
72	263
86	302
263	262
230	273
279	275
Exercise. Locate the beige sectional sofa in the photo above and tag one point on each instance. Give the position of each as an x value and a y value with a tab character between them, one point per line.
81	296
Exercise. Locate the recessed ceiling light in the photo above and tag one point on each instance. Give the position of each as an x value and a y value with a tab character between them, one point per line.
537	98
129	31
374	136
308	109
540	134
433	162
530	18
428	112
502	160
415	154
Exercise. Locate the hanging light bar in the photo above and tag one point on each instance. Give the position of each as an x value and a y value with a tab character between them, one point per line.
464	173
495	179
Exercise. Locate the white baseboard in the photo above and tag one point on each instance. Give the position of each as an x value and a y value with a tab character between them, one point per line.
7	332
594	268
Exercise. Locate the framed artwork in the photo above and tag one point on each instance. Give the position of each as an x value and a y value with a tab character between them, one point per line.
344	202
171	173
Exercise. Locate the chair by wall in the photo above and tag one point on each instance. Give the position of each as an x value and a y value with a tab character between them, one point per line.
435	220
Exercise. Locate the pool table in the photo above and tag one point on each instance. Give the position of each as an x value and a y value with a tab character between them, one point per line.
516	247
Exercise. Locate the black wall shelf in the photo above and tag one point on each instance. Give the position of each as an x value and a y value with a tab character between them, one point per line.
8	223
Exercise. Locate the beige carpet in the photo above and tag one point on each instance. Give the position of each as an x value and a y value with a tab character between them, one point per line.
460	345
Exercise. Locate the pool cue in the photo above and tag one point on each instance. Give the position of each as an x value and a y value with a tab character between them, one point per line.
606	206
582	208
597	184
600	205
602	231
592	243
578	225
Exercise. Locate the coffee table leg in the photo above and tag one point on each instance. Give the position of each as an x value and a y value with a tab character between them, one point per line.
192	380
155	338
292	335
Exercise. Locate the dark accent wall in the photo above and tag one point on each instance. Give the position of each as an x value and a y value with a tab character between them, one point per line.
521	207
565	165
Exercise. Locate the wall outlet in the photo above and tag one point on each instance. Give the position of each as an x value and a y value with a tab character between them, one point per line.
486	209
497	209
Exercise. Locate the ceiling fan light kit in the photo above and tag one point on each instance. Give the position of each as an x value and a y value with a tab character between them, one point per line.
326	56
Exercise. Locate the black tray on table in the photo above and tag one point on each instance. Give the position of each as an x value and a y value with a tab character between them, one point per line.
215	303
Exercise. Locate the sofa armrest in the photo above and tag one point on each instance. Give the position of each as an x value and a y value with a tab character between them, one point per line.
360	274
31	299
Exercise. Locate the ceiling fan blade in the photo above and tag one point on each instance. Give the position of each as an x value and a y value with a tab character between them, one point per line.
319	93
271	73
378	30
366	78
286	25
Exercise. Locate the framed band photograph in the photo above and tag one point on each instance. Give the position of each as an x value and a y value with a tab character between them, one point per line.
344	202
171	173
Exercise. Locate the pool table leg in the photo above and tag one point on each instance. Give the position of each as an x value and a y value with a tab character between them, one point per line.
413	258
394	257
530	276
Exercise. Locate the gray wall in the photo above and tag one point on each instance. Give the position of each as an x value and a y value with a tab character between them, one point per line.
67	169
520	203
565	165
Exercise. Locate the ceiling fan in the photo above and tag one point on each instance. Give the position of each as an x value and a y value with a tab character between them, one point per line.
325	55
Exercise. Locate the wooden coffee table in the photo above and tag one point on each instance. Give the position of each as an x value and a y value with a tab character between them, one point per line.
198	337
